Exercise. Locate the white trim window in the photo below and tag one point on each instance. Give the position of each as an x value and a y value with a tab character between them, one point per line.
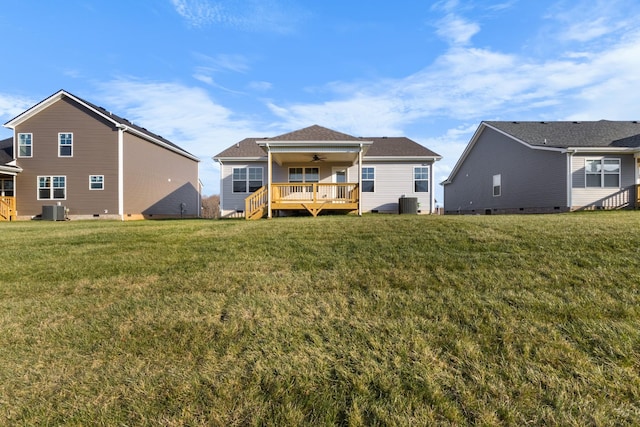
421	179
65	144
25	145
247	179
300	174
96	182
602	173
368	179
52	187
497	185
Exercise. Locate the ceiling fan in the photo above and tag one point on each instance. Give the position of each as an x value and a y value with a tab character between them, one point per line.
317	158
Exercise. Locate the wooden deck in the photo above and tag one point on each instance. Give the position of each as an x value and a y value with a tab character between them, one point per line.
7	208
311	197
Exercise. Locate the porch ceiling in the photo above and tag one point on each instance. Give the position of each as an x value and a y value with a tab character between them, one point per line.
315	157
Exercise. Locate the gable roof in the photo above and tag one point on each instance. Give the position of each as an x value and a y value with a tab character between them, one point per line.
314	133
247	148
113	118
381	146
561	136
603	133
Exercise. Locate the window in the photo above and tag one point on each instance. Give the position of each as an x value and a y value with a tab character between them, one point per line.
304	175
421	180
6	187
497	185
65	145
246	179
96	182
602	173
368	180
52	187
255	179
25	145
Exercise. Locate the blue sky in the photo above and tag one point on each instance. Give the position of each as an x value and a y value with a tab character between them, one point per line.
206	74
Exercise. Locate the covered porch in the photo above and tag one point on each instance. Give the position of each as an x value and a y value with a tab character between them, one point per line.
299	185
7	193
312	198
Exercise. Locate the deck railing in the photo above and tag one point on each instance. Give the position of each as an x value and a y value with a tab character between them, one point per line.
7	208
256	204
315	192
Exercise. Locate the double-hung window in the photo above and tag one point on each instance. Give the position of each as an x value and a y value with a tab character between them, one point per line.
304	175
368	179
25	145
421	179
65	144
246	179
96	182
52	187
601	173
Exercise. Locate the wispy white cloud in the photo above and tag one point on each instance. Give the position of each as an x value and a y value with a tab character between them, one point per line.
589	20
219	64
246	15
456	30
13	105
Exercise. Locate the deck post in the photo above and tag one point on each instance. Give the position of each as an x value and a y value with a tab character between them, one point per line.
269	179
360	181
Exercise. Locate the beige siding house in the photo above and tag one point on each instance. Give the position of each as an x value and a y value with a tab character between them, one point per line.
68	152
530	167
318	170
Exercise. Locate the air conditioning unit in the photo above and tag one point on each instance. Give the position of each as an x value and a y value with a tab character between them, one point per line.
53	213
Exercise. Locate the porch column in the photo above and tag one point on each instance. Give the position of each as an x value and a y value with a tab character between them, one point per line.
269	180
360	181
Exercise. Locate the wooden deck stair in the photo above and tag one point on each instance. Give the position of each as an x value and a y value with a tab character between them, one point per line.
256	204
7	208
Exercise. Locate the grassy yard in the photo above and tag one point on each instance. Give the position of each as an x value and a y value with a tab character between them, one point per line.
379	320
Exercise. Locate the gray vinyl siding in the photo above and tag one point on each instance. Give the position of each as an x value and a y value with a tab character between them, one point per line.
158	181
392	181
611	198
531	179
95	152
234	202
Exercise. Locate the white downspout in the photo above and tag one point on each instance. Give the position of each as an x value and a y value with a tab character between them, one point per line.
360	181
121	130
269	179
432	188
569	179
220	200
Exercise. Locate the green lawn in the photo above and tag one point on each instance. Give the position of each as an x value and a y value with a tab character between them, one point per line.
379	320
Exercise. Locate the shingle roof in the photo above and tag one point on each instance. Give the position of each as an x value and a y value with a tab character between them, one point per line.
314	133
603	133
245	148
381	147
6	151
397	147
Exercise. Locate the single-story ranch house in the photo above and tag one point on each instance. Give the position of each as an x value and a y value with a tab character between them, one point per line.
520	167
316	169
69	158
